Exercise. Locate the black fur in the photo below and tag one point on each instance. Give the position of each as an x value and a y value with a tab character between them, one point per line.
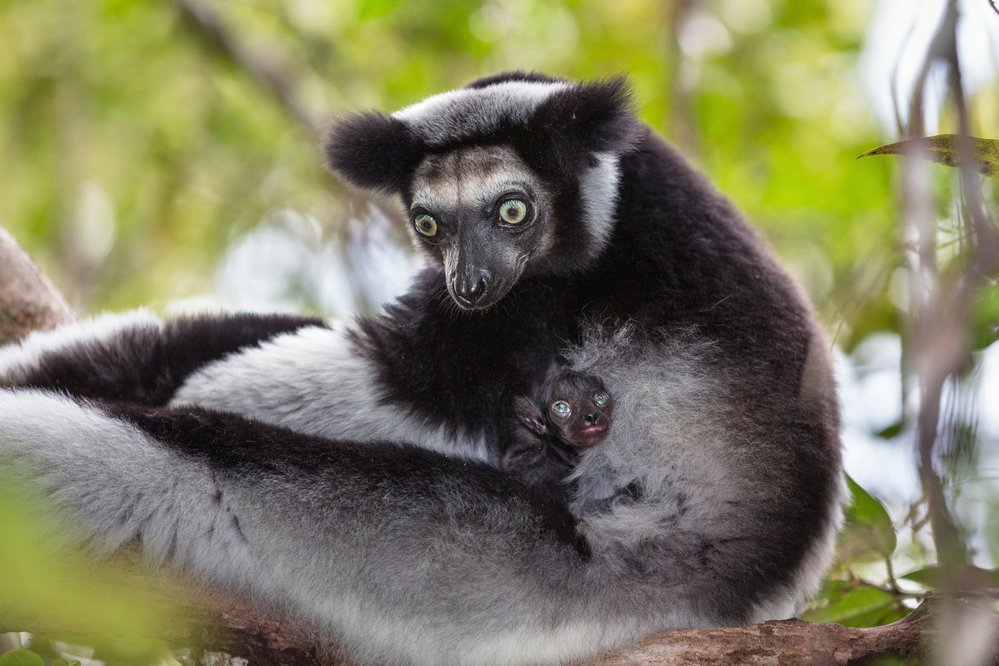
375	151
680	258
350	144
147	367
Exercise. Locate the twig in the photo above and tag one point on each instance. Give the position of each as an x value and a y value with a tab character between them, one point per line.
938	317
209	26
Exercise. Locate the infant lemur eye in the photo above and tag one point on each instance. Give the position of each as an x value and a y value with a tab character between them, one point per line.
513	211
561	408
426	225
601	398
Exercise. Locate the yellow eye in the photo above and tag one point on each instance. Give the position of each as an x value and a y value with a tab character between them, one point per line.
513	211
426	225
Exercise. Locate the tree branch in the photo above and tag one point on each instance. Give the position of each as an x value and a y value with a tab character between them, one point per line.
28	301
208	26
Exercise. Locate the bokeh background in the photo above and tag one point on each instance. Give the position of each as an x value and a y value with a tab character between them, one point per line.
164	153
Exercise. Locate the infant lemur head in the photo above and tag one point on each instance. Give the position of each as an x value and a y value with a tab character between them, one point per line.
510	176
571	407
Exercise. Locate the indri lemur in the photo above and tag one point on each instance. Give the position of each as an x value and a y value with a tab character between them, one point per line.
566	414
350	475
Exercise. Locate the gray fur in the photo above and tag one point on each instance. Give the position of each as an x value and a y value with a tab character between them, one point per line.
397	596
464	112
668	395
598	188
313	381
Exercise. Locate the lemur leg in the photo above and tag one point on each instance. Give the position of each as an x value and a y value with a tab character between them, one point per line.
134	356
317	382
407	555
287	370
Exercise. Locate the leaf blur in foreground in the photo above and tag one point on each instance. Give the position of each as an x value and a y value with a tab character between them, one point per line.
21	658
947	149
868	533
59	593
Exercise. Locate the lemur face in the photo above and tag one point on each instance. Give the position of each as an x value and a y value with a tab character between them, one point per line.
578	408
485	215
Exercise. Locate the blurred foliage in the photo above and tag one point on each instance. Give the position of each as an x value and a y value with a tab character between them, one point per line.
68	591
134	153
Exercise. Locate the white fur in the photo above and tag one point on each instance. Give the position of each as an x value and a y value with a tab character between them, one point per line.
114	481
22	357
314	381
469	187
468	112
598	188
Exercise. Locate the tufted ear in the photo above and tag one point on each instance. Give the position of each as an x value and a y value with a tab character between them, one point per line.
589	118
372	151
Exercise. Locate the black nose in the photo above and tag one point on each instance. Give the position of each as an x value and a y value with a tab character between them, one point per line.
470	287
591	418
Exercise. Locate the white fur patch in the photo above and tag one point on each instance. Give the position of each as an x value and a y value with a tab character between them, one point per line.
598	188
468	112
114	482
22	357
469	187
314	381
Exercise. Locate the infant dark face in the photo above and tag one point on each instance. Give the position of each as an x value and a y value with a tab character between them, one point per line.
569	410
564	415
577	407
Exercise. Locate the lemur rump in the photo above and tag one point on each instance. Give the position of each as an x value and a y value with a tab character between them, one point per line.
372	506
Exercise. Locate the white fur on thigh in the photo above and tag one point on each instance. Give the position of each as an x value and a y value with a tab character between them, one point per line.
316	382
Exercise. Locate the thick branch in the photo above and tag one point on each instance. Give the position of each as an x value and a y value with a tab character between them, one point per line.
219	625
797	642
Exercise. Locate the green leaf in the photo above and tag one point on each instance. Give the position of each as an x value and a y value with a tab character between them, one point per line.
862	603
868	531
21	658
947	149
972	577
892	431
65	662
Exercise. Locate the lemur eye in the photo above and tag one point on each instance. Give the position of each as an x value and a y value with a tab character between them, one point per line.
426	225
601	398
561	408
513	211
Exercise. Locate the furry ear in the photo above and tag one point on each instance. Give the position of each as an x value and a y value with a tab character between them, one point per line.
530	415
596	117
372	151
